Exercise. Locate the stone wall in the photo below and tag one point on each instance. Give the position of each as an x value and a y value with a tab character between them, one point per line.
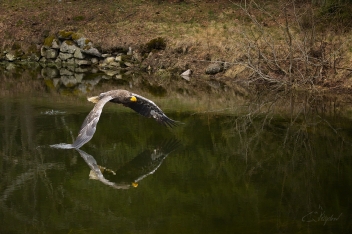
73	50
70	49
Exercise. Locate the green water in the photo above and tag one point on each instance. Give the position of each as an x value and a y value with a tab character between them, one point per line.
286	169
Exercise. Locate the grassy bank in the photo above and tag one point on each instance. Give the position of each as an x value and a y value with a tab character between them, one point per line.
272	43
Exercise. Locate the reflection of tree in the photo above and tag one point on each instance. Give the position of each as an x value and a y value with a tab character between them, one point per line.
144	164
296	148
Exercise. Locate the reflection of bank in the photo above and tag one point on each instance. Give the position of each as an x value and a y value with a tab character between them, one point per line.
144	164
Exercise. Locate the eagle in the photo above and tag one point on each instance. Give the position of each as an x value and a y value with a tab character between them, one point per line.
134	101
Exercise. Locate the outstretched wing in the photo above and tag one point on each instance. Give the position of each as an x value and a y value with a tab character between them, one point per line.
149	109
90	123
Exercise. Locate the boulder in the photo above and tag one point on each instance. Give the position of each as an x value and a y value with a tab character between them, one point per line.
214	68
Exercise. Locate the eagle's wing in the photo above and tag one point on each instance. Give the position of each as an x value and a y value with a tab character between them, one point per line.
149	109
90	123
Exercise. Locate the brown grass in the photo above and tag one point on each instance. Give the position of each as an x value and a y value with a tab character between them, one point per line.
196	31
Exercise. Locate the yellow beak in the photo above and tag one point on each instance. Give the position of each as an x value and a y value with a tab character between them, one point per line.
134	184
133	99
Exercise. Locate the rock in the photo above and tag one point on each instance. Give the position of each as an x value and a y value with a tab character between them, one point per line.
79	77
50	54
55	44
94	61
70	61
227	65
34	57
50	72
129	52
109	60
111	72
43	60
64	35
188	78
84	43
69	81
10	57
214	68
92	51
82	70
58	61
56	82
137	57
65	56
106	77
82	62
114	64
128	64
118	77
118	58
48	41
68	46
66	72
187	73
10	66
78	54
42	51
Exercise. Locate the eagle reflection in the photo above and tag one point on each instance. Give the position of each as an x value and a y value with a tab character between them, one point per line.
127	176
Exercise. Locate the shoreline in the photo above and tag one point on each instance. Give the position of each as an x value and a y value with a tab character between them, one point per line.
199	36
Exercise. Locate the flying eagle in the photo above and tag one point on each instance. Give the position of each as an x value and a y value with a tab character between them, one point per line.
134	101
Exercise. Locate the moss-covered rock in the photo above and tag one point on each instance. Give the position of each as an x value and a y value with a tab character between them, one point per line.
158	43
76	36
63	34
48	41
84	43
68	46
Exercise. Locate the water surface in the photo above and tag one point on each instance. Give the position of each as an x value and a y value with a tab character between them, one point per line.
266	166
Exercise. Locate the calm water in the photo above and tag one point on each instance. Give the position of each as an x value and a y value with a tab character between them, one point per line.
271	166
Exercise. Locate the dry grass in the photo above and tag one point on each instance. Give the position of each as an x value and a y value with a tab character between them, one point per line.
196	31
